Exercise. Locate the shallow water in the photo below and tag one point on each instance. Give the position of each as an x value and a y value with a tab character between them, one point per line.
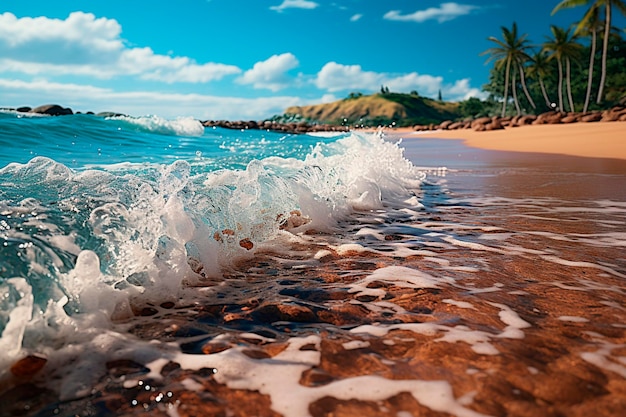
495	288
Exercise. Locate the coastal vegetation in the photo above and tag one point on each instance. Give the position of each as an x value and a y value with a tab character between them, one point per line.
558	80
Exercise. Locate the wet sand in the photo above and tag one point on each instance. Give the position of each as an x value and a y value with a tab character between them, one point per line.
504	295
597	140
557	175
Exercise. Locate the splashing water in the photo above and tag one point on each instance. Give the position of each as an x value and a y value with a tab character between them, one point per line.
86	245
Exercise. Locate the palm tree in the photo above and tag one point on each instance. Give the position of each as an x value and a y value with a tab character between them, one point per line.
608	7
563	48
514	91
593	26
511	51
539	69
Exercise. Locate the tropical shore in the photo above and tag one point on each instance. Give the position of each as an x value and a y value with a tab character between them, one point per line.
595	140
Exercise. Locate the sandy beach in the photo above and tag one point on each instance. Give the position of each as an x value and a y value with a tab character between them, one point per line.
596	140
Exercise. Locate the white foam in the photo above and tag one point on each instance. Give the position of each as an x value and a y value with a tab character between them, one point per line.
603	357
533	370
397	275
18	318
321	254
355	344
329	134
272	376
182	126
191	385
514	322
350	247
573	319
478	340
370	233
460	304
582	264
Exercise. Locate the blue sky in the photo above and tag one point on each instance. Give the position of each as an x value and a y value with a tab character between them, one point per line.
249	59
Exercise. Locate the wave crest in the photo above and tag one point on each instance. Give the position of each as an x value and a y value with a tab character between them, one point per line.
181	126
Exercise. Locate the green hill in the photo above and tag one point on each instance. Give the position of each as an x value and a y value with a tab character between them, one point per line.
379	109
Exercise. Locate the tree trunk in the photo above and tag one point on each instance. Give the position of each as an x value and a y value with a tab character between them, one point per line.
592	57
506	86
605	52
560	86
545	94
514	91
568	79
523	80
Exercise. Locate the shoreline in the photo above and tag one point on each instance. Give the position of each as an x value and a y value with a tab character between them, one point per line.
591	140
597	138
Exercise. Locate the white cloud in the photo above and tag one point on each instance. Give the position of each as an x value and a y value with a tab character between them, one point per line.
443	13
426	85
461	90
356	17
271	73
79	39
170	105
295	4
328	98
46	87
335	77
85	45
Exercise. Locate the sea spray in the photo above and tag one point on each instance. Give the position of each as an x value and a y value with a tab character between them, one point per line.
182	126
84	249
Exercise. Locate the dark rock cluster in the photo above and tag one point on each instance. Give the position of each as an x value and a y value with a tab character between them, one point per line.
293	127
49	109
617	113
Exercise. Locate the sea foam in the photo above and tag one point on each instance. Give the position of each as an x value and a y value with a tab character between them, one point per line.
182	126
82	249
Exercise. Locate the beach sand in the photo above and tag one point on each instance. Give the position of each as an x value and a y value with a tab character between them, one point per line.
597	140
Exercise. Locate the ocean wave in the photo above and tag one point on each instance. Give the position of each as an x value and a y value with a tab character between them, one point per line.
139	218
82	249
329	134
182	126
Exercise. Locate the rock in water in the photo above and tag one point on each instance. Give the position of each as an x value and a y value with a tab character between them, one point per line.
52	110
28	366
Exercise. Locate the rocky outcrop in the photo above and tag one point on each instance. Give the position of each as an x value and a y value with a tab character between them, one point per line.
299	127
57	110
110	114
615	114
52	110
